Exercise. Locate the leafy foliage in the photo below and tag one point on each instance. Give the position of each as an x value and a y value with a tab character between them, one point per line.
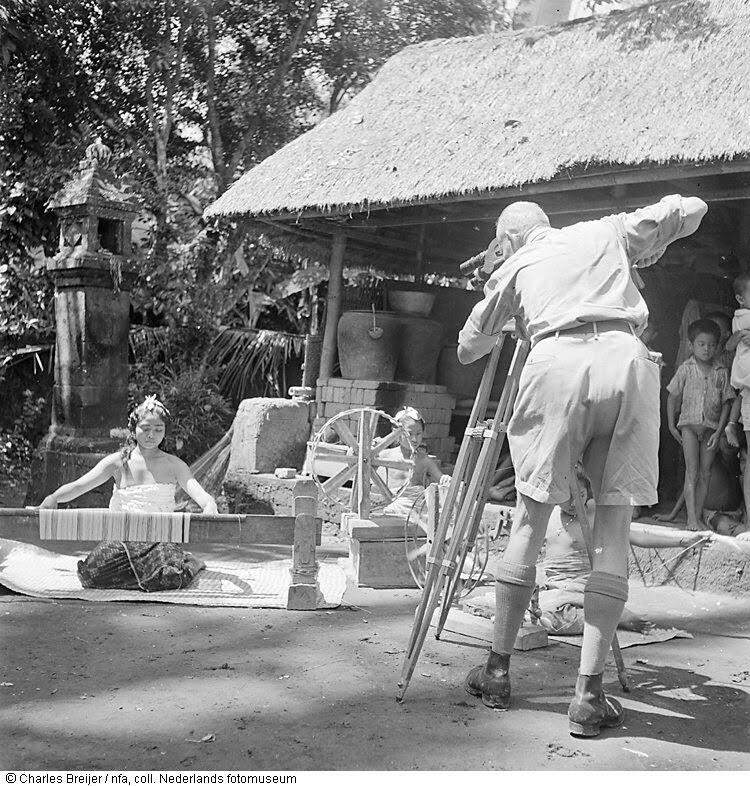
200	414
187	94
355	38
17	440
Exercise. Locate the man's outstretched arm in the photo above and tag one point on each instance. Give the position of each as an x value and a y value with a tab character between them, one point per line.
648	231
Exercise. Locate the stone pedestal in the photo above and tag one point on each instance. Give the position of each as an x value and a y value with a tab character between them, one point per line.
266	493
377	553
90	394
268	433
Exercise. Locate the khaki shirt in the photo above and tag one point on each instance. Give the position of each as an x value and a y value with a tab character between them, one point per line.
562	278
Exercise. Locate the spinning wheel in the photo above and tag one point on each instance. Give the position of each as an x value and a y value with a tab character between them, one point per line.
419	532
357	458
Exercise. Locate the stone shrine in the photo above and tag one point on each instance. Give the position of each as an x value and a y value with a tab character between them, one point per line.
92	318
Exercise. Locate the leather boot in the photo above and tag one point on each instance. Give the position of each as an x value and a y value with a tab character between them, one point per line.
591	710
491	681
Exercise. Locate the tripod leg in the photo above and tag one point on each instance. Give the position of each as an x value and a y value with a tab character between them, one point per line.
622	673
469	542
576	491
437	566
500	422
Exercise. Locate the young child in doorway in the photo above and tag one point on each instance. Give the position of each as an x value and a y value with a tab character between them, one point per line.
724	354
701	393
740	379
425	469
145	477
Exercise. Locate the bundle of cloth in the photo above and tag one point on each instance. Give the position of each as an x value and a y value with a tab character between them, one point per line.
149	567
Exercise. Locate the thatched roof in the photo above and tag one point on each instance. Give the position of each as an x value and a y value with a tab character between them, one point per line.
666	82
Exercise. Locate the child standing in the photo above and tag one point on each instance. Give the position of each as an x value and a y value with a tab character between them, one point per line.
740	378
701	393
724	354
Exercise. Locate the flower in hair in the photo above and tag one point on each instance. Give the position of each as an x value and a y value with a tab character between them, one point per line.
150	403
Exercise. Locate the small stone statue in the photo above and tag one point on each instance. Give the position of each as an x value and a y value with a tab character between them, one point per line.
97	153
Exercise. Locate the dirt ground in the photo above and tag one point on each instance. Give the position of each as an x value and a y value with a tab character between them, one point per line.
140	685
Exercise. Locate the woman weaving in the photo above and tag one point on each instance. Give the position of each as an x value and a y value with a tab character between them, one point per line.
145	480
145	476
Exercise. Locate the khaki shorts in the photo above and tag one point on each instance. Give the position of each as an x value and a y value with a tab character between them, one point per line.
745	409
590	397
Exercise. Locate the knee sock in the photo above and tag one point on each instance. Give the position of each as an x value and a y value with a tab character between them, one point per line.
603	601
514	586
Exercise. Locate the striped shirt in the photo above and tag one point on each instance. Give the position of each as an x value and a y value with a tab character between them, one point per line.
703	395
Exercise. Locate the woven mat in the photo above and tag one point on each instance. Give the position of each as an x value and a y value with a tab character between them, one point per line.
31	570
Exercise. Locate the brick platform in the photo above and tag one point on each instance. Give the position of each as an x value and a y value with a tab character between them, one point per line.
265	493
434	402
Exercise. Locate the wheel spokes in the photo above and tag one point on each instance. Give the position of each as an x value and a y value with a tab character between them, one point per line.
357	460
406	465
339	479
381	486
386	442
345	435
323	454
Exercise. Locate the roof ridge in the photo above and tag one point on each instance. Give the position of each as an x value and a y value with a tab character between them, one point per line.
540	31
664	83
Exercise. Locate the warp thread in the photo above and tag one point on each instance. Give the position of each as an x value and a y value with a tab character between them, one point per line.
104	524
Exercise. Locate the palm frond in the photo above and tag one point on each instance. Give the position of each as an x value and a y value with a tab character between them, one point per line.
146	342
252	362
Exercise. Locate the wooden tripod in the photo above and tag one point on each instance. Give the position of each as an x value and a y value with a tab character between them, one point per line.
460	517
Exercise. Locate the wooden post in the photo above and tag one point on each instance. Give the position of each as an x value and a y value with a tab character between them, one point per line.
364	467
420	254
304	590
743	235
433	513
333	305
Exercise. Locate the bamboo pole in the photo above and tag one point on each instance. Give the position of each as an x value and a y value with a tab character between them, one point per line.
333	304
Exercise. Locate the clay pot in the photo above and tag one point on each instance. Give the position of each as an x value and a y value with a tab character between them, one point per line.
411	302
503	367
420	342
452	307
360	355
461	381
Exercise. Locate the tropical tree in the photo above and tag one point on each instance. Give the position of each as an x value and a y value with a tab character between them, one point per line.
188	94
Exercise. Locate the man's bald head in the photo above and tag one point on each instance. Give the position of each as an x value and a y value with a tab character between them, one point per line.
518	219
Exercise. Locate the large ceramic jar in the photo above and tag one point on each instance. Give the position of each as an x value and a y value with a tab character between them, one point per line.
409	297
368	345
462	381
420	342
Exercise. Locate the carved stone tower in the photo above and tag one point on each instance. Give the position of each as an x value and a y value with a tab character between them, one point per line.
92	320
